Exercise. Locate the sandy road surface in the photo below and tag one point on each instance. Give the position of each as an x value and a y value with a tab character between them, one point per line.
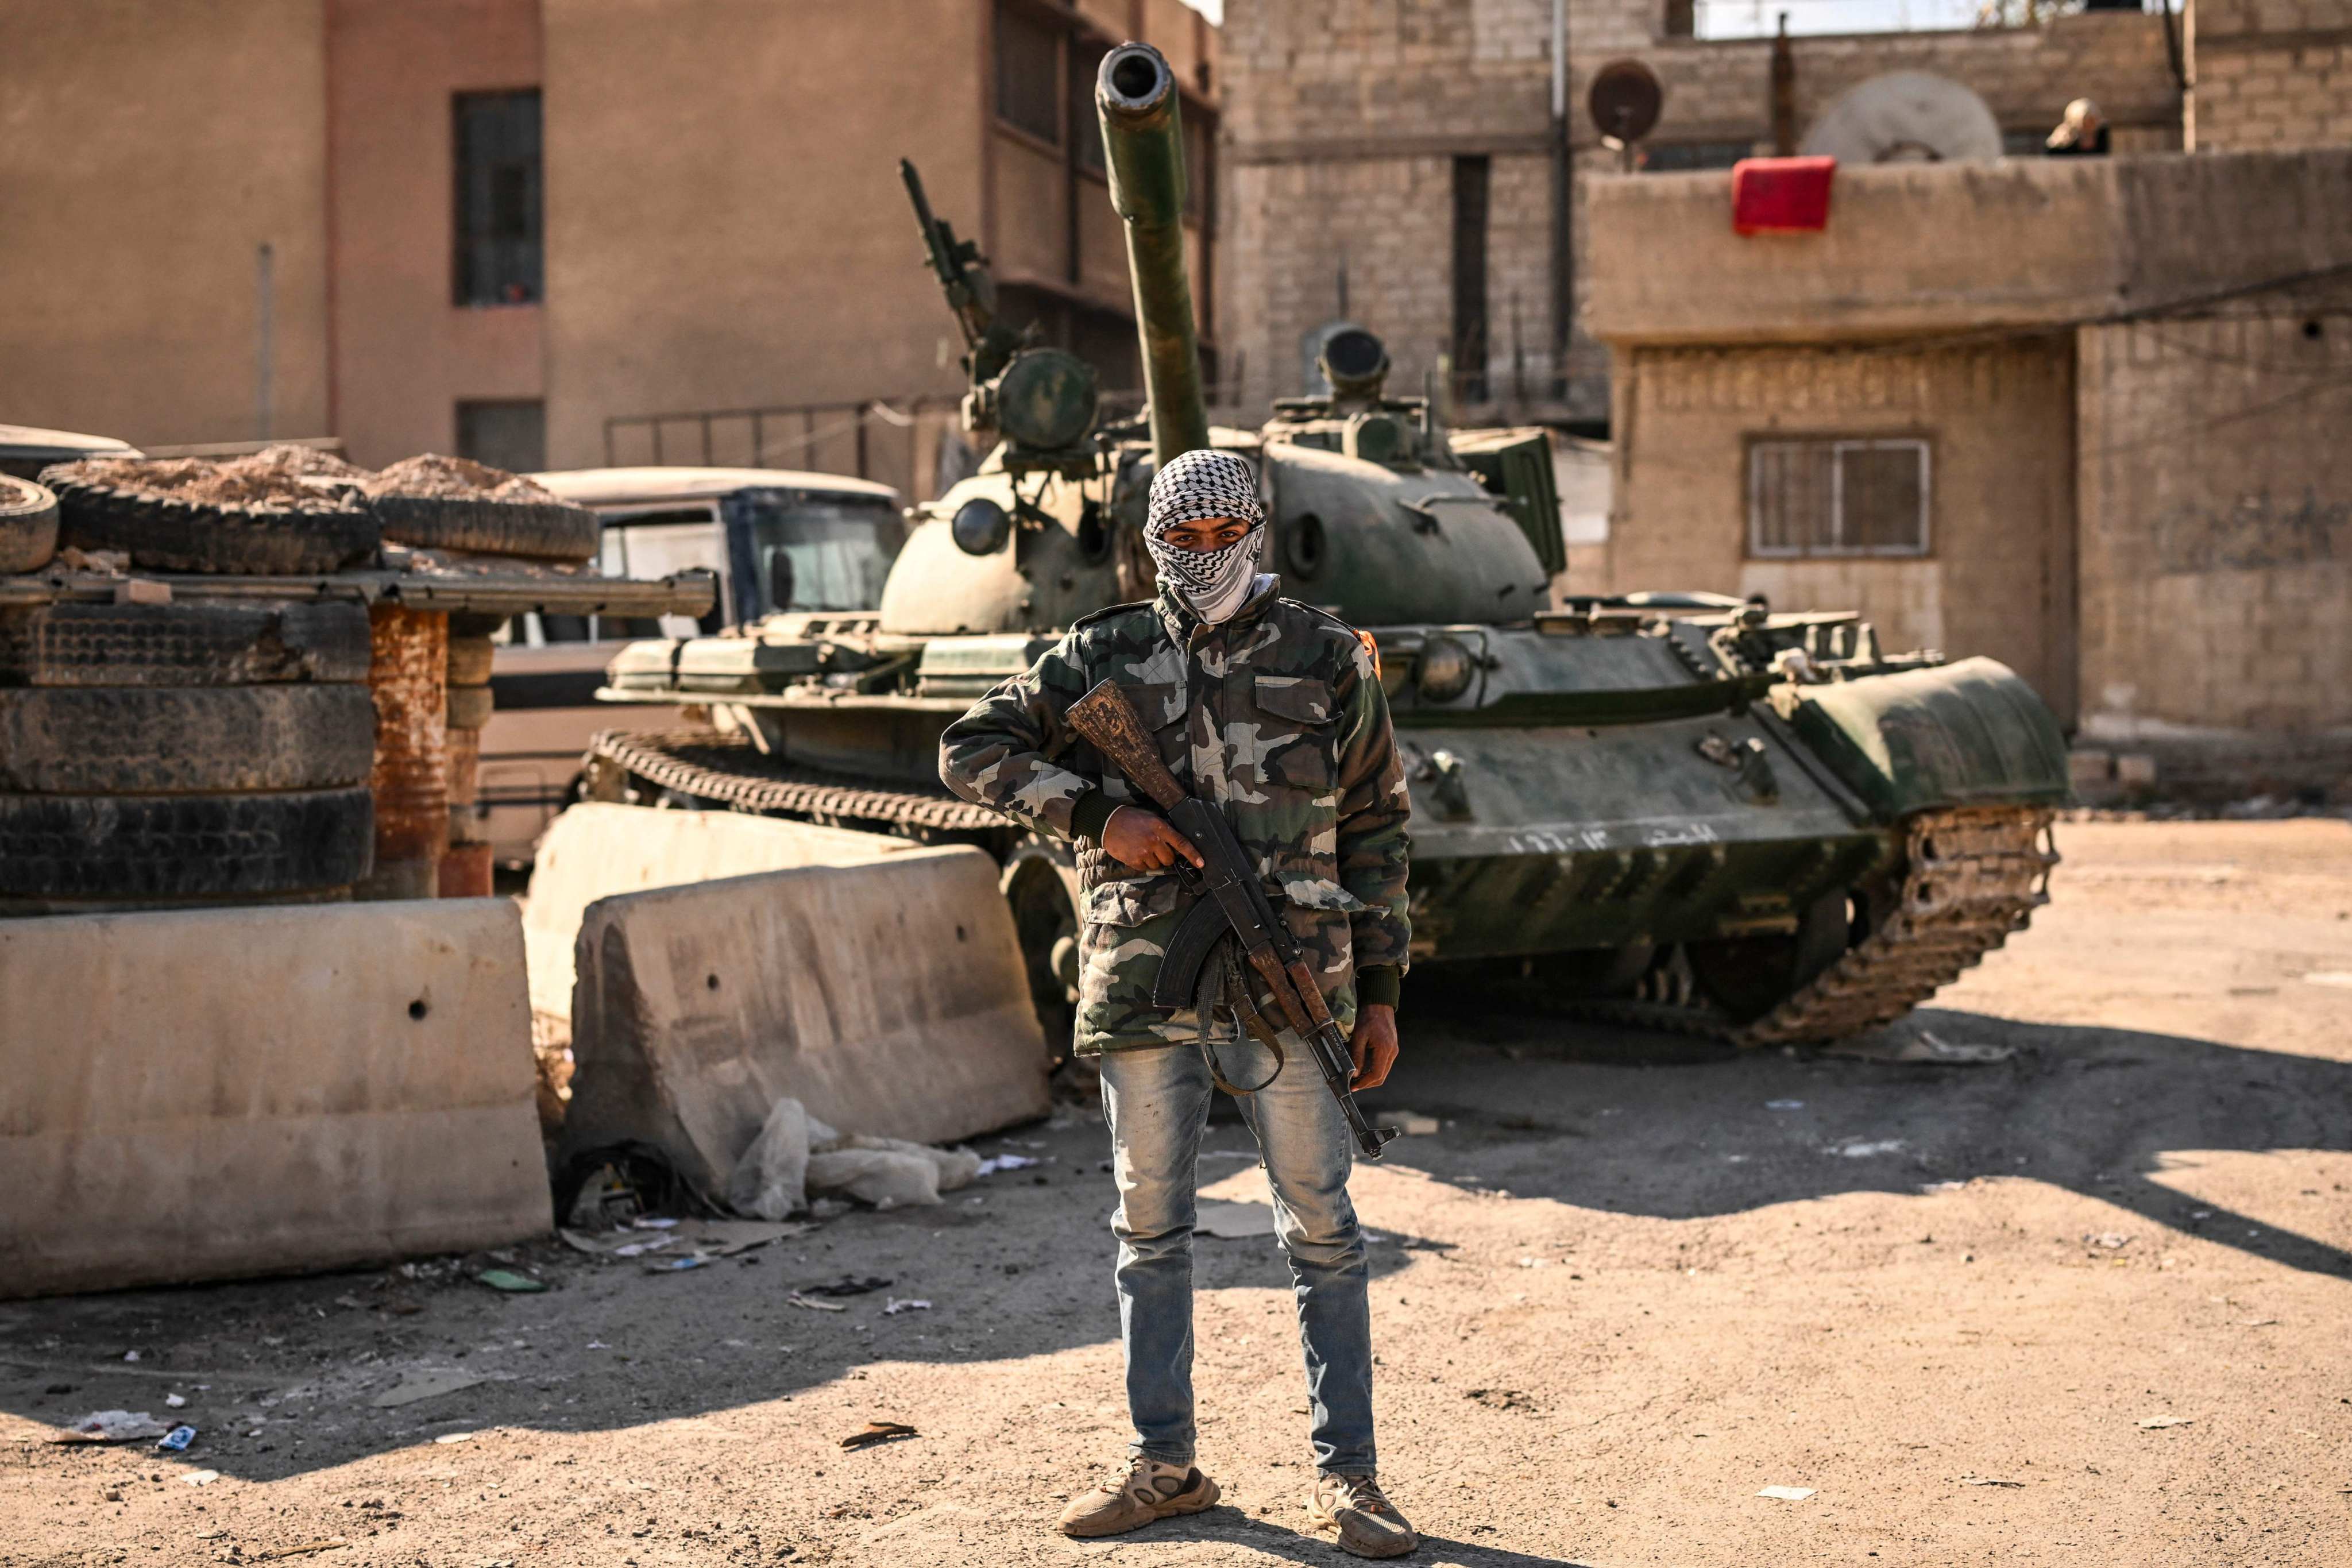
1625	1286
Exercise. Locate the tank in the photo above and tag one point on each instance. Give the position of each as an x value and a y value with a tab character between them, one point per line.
1670	809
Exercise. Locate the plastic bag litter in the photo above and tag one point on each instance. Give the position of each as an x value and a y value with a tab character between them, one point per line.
890	1172
769	1182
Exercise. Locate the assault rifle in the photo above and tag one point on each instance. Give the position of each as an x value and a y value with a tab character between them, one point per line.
1227	897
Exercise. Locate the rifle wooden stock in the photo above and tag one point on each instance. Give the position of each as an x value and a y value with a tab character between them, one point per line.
1107	718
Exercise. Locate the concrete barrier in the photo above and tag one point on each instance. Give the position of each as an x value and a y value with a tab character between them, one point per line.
889	997
208	1093
596	850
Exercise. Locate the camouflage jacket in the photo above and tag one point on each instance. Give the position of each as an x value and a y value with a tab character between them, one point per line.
1279	717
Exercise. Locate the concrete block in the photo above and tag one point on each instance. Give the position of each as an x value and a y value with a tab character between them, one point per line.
887	996
596	850
210	1093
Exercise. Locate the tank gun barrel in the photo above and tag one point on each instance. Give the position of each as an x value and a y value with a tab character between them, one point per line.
1143	144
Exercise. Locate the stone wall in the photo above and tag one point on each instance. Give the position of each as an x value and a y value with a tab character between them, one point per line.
2216	505
2270	73
1342	121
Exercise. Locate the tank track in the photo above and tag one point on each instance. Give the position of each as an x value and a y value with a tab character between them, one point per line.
1972	876
731	770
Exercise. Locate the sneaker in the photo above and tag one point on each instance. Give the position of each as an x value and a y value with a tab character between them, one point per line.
1150	1491
1368	1525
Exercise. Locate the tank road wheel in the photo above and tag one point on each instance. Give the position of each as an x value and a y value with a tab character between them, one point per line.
1041	883
1747	976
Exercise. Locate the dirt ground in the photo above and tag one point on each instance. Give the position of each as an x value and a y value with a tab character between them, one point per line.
1628	1283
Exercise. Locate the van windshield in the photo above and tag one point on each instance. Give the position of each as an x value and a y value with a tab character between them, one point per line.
818	552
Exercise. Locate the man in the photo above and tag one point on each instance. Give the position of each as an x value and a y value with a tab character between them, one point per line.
1274	712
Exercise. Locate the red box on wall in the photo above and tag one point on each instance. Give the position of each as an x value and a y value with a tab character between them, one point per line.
1780	195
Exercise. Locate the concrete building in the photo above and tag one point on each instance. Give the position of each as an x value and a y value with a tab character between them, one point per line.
2085	416
520	228
1393	162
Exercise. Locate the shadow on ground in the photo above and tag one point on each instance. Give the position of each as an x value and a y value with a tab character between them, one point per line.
1606	1119
1622	1119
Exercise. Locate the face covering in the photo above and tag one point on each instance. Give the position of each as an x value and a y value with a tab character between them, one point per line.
1205	483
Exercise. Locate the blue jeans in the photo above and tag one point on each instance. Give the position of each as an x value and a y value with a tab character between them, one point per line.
1157	1101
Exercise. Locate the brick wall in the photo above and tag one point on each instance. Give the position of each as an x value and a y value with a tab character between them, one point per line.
2270	73
2216	503
1341	120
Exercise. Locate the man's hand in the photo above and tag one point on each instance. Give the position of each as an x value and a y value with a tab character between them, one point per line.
1143	840
1373	1045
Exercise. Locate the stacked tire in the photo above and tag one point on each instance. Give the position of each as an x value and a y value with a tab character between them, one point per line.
189	753
169	749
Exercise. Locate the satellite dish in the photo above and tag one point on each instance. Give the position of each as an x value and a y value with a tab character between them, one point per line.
1624	101
1904	117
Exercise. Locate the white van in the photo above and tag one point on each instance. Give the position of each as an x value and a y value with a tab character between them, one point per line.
778	538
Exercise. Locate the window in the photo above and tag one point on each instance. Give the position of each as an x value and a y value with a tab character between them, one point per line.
505	435
496	230
1085	126
1828	496
1028	84
1471	178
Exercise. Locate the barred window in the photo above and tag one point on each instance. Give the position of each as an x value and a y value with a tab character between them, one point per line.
1836	496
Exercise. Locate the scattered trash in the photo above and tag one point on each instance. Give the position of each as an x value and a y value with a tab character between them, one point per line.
415	1385
895	1307
455	1437
1916	1045
2330	977
176	1399
1531	1263
647	1222
1414	1124
677	1265
797	1299
332	1543
639	1248
996	1162
201	1477
1233	1221
879	1432
176	1440
508	1280
2154	1423
848	1285
1942	1186
1985	1481
1784	1105
111	1426
130	1355
2110	1239
1863	1149
2259	1323
1788	1494
771	1180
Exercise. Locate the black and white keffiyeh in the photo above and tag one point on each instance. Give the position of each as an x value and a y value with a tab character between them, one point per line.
1205	483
